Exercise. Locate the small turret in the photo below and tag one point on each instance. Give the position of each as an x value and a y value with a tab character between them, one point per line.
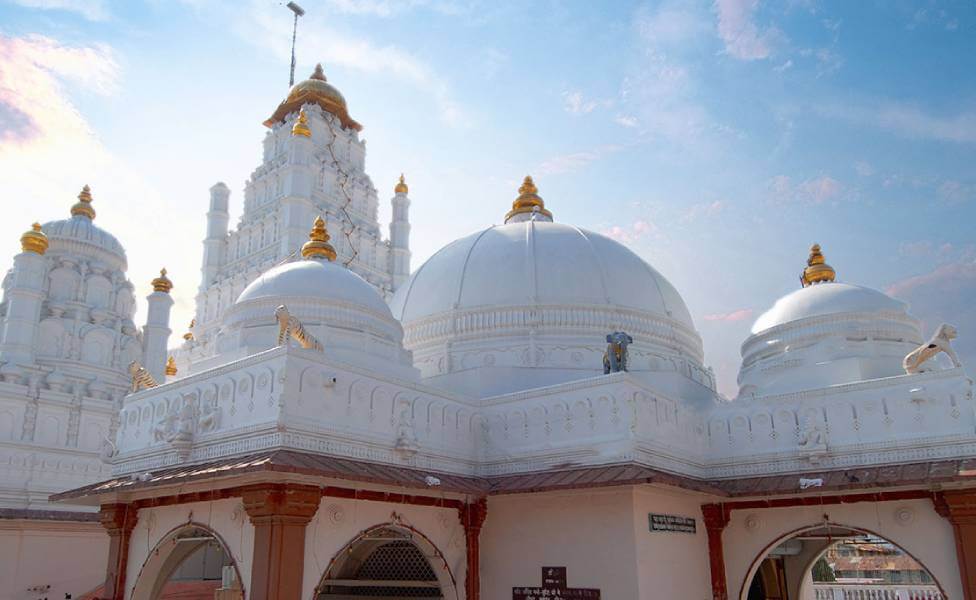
217	220
400	234
156	332
301	125
34	240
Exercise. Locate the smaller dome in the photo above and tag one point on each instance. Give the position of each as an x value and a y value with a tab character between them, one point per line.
80	228
318	279
314	90
826	299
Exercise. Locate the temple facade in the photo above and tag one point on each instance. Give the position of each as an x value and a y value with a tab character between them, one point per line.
528	415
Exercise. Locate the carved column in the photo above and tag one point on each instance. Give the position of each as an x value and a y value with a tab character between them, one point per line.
959	507
279	513
472	517
716	518
118	520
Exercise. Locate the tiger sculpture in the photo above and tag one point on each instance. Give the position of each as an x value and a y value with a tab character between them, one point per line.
141	378
291	327
940	342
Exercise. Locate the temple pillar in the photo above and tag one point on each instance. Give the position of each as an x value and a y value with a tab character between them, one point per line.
279	513
959	507
716	519
118	520
472	517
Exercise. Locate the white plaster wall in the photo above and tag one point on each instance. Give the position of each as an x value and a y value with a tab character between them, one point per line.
70	557
225	517
923	534
670	564
339	521
591	533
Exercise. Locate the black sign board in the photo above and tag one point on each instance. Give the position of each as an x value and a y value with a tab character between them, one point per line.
554	587
658	522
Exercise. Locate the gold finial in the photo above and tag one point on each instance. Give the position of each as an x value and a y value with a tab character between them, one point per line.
817	270
318	245
401	186
171	367
319	73
301	125
162	283
188	336
34	240
528	201
83	206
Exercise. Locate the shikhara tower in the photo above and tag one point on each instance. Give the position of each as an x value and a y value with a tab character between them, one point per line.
313	164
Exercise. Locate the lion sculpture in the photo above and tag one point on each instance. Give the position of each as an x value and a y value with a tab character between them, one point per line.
141	378
291	327
940	342
615	358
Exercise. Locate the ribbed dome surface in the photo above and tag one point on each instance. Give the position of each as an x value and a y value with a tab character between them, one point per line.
536	263
82	229
824	299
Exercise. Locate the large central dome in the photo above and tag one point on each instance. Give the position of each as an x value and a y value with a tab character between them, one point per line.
530	303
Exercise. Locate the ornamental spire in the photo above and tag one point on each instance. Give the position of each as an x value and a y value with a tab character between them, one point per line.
318	246
318	73
401	186
83	206
171	369
301	125
528	203
817	270
162	283
34	240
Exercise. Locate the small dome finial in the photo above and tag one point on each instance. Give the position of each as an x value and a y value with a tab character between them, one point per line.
817	271
301	125
162	283
34	240
318	73
188	336
83	206
401	186
318	245
527	203
171	367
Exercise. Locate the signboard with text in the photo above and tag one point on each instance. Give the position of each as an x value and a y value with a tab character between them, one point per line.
677	523
554	587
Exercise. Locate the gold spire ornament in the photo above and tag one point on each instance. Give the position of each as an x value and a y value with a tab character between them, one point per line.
188	336
528	201
162	283
301	125
83	206
34	240
401	186
817	270
318	246
171	367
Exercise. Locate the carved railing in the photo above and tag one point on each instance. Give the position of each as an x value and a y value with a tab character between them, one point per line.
857	591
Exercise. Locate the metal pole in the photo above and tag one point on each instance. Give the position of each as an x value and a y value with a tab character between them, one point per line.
294	33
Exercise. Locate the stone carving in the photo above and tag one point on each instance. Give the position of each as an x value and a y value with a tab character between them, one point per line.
813	440
406	442
615	358
210	416
108	450
940	342
165	427
291	327
141	378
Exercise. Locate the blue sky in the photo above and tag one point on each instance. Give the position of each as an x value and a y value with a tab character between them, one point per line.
718	139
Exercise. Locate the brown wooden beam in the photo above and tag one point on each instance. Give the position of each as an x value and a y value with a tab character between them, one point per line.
118	520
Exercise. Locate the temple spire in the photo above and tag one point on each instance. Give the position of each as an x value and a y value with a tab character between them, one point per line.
528	205
817	271
83	206
318	246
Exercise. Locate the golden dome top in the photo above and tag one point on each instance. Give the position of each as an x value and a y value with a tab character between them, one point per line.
817	270
301	125
401	186
171	367
188	336
162	283
314	90
83	206
34	240
318	246
528	201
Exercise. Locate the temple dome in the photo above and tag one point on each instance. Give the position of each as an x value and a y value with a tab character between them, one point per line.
826	333
314	90
530	302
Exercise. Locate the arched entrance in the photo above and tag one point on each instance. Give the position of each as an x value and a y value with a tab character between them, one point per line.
388	562
837	562
190	561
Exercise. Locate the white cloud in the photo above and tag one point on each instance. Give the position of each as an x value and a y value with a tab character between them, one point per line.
392	8
864	169
702	210
93	10
629	234
906	120
261	26
626	121
730	317
816	190
739	32
568	163
576	104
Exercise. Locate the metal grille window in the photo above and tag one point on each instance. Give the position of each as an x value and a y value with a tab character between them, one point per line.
395	569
